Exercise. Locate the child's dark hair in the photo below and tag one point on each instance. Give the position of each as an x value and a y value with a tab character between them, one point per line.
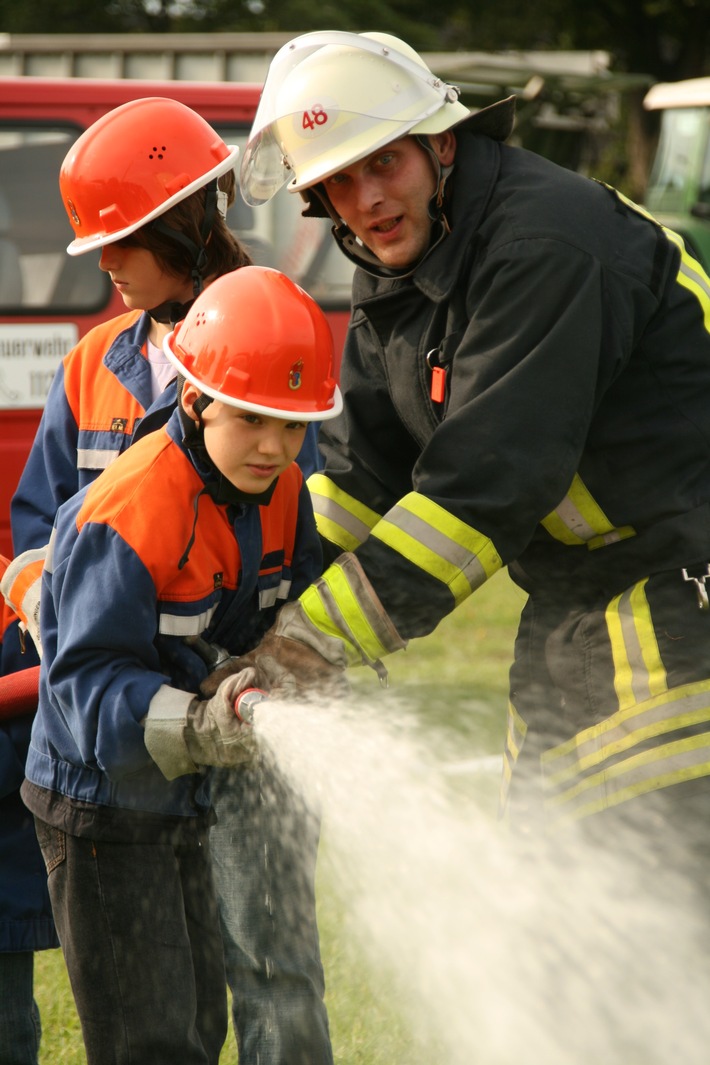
224	251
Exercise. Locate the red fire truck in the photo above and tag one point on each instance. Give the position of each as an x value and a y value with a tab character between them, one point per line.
48	299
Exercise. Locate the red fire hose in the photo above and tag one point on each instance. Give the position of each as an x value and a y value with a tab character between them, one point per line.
19	692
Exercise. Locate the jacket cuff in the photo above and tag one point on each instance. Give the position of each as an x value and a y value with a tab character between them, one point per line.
165	725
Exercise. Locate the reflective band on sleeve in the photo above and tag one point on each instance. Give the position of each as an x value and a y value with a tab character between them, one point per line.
652	745
269	596
639	673
340	518
439	544
185	625
332	606
95	458
580	520
692	276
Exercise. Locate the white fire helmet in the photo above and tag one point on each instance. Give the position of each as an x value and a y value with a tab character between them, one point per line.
331	98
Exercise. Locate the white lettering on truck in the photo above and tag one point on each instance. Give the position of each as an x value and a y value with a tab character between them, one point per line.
29	358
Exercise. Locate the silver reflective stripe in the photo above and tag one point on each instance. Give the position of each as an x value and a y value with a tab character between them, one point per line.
574	521
340	518
459	565
631	752
269	596
23	561
95	458
579	519
179	625
692	277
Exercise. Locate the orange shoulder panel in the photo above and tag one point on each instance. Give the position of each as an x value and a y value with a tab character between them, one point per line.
93	393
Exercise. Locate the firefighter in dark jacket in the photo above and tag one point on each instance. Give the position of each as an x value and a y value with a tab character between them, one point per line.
526	384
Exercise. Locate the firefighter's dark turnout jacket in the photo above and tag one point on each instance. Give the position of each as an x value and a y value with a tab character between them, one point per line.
572	445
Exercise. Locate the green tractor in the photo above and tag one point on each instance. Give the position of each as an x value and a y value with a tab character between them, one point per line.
678	192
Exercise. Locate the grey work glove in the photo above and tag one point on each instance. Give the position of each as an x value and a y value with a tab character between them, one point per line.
183	733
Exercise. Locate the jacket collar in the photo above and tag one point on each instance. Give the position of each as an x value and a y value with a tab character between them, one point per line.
472	183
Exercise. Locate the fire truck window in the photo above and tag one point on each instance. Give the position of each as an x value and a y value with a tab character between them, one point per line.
38	276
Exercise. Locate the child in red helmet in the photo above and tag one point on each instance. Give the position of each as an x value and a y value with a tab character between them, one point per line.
201	530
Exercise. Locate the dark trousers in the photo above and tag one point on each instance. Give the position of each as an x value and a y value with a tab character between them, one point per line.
264	848
611	713
20	1027
139	928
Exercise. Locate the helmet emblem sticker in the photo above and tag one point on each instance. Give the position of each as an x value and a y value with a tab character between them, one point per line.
295	376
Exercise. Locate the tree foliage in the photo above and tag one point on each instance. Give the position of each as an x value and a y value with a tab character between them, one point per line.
667	40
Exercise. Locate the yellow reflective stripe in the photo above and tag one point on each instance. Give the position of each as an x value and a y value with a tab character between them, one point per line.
639	672
515	736
516	732
579	519
439	544
340	517
676	708
603	767
692	276
661	767
335	610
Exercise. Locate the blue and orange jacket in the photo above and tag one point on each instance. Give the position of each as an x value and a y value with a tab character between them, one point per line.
118	599
100	402
98	399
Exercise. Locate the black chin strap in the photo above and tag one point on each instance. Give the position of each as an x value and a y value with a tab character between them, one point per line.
218	488
171	312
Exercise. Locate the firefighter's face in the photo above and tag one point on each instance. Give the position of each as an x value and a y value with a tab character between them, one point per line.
384	198
249	449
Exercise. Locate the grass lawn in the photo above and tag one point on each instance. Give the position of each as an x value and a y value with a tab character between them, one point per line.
456	679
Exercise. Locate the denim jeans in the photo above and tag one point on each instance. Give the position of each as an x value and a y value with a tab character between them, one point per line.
264	847
20	1028
139	929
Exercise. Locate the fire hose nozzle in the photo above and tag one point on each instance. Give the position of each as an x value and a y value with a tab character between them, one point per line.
246	703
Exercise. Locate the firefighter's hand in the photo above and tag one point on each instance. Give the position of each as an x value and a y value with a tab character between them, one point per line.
214	734
286	668
183	733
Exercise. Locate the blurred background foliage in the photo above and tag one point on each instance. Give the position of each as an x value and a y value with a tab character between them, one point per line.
614	137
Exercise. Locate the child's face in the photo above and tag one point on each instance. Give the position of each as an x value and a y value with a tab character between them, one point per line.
141	281
249	449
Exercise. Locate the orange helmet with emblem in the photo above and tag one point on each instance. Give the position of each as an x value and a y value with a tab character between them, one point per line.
255	340
135	163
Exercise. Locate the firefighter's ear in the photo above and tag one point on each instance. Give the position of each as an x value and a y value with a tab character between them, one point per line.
444	144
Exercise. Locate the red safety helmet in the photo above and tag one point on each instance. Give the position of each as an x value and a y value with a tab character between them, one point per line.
133	164
254	339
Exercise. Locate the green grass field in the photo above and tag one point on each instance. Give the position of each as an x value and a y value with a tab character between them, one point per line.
460	671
